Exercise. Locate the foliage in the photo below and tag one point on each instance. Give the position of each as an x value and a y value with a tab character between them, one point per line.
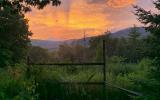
14	33
152	23
15	86
14	41
129	76
21	6
43	82
134	34
69	53
132	48
38	55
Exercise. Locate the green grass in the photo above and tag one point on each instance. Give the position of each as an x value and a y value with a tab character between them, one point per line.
42	82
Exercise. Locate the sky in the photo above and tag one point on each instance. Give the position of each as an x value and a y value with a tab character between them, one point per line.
73	18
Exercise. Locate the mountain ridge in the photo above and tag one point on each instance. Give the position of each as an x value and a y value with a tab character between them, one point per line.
51	45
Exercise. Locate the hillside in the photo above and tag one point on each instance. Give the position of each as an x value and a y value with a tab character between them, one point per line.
46	43
125	32
51	45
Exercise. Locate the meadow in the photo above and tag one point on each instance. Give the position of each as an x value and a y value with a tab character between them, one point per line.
43	81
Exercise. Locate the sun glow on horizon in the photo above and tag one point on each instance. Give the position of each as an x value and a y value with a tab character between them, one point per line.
73	17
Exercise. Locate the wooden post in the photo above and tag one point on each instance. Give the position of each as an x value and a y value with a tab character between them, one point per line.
28	67
104	69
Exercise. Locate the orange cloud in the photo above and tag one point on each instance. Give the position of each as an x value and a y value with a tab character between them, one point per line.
120	3
70	19
56	23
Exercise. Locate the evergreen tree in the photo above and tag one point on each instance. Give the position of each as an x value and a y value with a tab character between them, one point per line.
152	23
134	34
135	44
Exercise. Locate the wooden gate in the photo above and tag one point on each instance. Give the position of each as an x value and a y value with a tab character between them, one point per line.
103	65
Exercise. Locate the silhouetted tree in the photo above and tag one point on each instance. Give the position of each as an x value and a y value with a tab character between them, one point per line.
14	37
134	33
135	44
14	33
152	24
25	5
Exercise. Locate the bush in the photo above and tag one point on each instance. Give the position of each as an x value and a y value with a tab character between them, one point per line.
15	86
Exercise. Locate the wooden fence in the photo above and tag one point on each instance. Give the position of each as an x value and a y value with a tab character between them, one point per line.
104	68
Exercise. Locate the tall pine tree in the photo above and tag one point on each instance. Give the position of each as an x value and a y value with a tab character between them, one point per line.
134	33
152	24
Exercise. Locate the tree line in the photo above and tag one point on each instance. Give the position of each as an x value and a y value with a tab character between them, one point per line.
131	48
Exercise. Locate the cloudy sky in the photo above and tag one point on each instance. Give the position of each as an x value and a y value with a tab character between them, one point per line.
74	17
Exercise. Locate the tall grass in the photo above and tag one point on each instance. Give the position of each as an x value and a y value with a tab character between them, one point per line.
42	82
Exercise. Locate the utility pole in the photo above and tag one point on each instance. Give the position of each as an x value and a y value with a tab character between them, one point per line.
84	39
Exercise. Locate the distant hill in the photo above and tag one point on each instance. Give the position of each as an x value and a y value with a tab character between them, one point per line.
125	32
53	45
46	44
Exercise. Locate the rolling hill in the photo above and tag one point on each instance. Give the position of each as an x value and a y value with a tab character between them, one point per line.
53	45
46	44
125	32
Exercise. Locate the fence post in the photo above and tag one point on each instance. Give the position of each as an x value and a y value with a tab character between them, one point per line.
104	68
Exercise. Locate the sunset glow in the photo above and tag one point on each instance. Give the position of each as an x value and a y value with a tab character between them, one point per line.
120	3
73	17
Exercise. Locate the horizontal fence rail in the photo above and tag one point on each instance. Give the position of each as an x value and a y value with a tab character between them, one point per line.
125	90
66	64
82	83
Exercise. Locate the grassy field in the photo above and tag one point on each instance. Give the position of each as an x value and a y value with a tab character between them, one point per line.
42	82
51	76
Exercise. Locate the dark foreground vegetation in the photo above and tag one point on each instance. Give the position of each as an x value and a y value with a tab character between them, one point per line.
133	63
